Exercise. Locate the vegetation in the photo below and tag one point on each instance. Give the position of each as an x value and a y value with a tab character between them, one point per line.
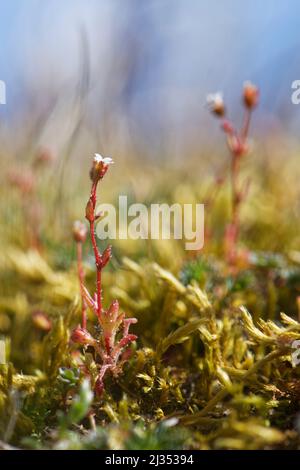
212	361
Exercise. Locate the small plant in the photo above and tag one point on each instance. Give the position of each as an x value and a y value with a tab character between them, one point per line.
79	408
114	334
26	181
237	141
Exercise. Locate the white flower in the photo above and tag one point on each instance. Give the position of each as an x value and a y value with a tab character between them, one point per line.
99	167
215	99
216	103
105	160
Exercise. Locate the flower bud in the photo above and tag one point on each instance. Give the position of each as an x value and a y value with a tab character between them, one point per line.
106	255
41	321
82	336
43	157
89	211
216	104
24	180
250	95
79	231
227	127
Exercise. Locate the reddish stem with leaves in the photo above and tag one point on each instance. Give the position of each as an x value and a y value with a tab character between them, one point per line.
114	327
91	208
237	144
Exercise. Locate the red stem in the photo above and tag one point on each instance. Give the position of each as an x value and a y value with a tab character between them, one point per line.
235	188
235	169
235	193
97	254
81	283
246	125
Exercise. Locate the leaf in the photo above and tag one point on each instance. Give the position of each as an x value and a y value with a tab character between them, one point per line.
80	406
179	336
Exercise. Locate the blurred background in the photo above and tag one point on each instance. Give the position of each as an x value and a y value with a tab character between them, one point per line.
129	79
133	75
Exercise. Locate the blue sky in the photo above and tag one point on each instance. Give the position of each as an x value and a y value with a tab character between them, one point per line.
186	48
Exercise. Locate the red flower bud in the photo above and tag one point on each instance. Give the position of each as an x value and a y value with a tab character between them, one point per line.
82	336
89	211
227	127
79	231
250	95
43	156
24	180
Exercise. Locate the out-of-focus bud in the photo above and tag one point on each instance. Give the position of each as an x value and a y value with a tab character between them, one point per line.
41	321
23	180
99	167
250	95
43	157
216	104
82	336
219	180
89	211
227	127
79	231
